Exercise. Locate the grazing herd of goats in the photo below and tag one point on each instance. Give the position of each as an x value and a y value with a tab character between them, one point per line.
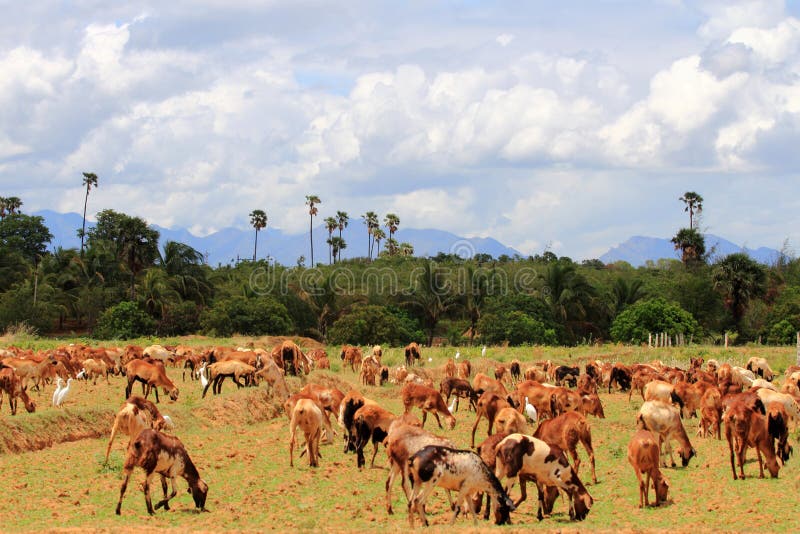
557	399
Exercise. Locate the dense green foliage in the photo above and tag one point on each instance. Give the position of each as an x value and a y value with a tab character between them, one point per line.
392	298
635	324
373	325
123	321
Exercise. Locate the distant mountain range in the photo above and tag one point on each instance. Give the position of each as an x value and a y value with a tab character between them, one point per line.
639	249
229	244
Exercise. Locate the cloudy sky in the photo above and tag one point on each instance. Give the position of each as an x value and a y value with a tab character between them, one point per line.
569	125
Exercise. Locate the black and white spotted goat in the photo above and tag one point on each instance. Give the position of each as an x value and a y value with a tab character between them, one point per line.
457	470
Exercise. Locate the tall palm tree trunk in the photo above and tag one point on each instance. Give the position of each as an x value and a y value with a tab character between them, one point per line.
255	246
83	228
311	237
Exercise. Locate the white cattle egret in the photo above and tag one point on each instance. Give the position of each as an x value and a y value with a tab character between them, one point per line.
62	395
59	387
530	411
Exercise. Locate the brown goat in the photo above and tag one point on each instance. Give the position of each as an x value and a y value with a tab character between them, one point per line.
564	432
234	369
166	455
489	405
428	400
351	356
458	387
309	417
464	369
746	427
643	456
11	384
370	422
152	376
135	415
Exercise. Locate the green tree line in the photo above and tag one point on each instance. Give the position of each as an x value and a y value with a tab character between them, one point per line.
121	284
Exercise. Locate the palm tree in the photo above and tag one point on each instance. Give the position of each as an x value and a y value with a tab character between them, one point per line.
475	291
89	180
391	221
739	278
311	202
3	207
377	235
371	220
258	219
183	265
568	294
13	204
432	294
692	245
694	204
406	249
337	245
330	226
625	293
342	219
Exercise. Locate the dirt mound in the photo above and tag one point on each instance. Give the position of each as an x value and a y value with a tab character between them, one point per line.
244	407
330	380
33	433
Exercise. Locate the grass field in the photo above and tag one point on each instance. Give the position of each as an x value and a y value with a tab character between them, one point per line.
239	443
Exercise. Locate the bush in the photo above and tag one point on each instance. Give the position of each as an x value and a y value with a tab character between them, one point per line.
782	333
372	325
516	328
248	316
16	307
180	319
652	316
124	321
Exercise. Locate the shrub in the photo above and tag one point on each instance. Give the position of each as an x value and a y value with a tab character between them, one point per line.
248	316
516	328
16	307
371	325
652	316
124	321
782	333
180	319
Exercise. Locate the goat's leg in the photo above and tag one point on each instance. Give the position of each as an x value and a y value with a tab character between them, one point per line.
393	470
291	446
148	501
474	428
122	490
647	479
424	418
760	461
742	450
438	422
587	444
642	488
111	439
165	501
374	454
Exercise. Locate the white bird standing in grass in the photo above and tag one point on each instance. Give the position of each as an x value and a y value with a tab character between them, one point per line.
452	405
80	375
530	411
483	352
458	354
203	377
62	395
430	359
59	386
